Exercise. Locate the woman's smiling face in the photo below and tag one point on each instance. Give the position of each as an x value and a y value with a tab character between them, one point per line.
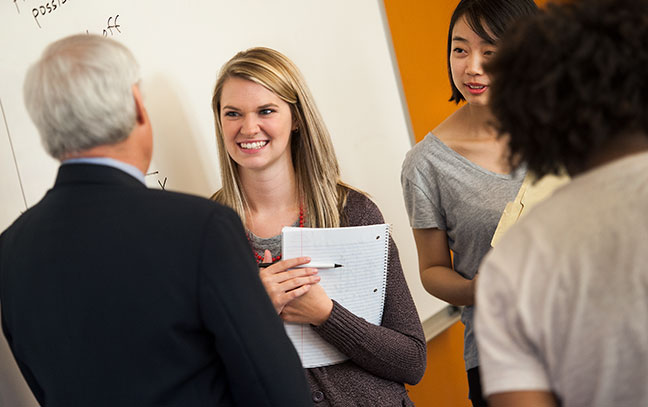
469	53
257	124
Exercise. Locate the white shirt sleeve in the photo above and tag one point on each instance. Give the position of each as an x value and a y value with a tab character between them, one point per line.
509	359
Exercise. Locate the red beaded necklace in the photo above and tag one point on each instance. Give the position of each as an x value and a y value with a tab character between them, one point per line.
259	257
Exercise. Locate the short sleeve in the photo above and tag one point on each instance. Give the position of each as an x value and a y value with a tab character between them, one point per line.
421	195
509	360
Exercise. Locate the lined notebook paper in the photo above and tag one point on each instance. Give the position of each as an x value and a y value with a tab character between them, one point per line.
359	285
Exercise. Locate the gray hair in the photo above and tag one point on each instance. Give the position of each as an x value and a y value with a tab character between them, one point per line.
79	94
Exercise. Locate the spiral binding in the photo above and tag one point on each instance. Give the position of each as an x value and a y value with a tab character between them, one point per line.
387	239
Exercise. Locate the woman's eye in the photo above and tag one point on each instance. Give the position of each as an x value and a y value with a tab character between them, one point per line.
230	114
489	53
265	112
458	50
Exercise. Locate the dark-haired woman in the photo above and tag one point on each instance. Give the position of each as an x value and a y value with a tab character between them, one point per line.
457	180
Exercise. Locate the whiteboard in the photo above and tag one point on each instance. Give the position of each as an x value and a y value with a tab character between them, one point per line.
342	47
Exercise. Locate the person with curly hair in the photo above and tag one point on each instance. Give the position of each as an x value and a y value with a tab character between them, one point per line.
457	181
562	297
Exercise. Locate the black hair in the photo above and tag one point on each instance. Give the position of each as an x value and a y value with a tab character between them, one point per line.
482	15
571	80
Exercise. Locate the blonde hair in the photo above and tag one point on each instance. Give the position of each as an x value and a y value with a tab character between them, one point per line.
317	172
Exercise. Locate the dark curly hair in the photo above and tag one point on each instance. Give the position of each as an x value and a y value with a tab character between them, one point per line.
570	80
483	16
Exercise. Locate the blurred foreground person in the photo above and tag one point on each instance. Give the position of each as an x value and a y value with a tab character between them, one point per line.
561	299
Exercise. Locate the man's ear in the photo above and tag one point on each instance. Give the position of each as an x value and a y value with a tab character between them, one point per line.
140	110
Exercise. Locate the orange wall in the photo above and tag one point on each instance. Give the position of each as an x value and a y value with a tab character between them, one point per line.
444	383
419	34
419	31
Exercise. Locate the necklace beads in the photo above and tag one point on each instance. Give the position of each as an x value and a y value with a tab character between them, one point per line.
259	257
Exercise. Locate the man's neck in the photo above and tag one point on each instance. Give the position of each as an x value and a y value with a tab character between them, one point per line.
109	162
120	152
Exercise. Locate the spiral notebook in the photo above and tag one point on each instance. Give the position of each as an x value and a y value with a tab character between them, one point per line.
359	285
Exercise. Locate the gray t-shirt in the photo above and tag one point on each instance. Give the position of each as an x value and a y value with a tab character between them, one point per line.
444	190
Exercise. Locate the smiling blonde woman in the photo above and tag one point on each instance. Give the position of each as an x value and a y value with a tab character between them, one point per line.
279	168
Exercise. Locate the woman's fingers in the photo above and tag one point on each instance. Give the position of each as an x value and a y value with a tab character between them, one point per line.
280	296
276	284
285	286
283	282
297	292
288	275
293	283
287	264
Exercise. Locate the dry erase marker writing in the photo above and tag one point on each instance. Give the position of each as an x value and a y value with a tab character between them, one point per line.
309	265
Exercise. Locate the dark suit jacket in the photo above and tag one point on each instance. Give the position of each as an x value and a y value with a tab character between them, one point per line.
117	295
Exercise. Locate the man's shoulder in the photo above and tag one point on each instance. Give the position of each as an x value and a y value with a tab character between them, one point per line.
191	205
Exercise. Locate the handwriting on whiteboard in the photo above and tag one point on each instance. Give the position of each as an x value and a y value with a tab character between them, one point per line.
112	27
42	9
161	183
15	2
45	9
